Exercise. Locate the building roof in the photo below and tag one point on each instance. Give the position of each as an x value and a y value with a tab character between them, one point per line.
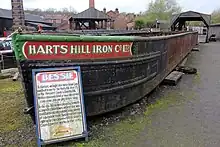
215	25
111	11
91	13
41	24
191	16
5	13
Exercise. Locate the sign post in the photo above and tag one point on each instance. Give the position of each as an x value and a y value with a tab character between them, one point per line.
59	105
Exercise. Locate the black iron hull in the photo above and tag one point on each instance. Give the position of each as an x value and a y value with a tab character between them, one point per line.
112	84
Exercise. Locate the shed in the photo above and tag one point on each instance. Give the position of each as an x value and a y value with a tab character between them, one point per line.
43	25
91	18
215	29
179	20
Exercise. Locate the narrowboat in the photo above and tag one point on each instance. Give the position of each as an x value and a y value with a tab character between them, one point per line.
117	69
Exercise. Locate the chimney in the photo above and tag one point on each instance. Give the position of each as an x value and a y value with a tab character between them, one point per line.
91	3
104	10
18	18
116	11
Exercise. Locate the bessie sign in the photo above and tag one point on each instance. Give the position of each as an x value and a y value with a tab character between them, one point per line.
56	76
76	50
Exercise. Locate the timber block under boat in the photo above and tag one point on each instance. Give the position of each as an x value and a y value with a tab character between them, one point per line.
173	78
196	49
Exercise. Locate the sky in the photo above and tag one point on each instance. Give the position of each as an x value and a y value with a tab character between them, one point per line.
136	6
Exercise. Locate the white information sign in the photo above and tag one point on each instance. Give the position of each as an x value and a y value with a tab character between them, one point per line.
58	99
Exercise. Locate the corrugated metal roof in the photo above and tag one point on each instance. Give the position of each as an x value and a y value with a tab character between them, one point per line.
4	13
43	25
91	13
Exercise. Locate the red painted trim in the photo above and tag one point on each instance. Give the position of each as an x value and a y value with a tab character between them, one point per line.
76	50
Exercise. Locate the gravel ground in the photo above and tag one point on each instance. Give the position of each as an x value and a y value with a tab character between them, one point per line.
186	115
193	122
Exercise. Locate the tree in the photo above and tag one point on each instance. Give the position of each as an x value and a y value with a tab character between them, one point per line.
195	23
66	11
139	23
51	10
161	10
34	11
216	16
69	10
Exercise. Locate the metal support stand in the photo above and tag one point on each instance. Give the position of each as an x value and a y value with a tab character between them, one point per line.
1	62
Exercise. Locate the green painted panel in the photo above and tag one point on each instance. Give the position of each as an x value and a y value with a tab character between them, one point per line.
17	46
28	37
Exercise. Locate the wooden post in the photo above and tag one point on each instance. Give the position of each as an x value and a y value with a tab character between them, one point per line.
0	69
105	24
102	24
71	21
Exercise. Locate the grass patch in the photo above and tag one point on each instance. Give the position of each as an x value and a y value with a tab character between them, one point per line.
11	100
8	86
31	143
15	125
197	78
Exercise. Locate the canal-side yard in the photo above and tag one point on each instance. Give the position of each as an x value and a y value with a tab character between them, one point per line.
186	115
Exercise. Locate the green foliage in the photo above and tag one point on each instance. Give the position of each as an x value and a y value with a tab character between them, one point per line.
161	10
216	16
139	23
195	23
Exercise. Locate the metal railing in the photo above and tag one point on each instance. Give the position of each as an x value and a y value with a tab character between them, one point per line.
3	54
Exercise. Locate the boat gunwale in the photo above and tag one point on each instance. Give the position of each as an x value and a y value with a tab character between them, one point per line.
90	38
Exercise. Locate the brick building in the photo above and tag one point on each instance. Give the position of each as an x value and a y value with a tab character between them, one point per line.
113	19
56	19
120	20
65	25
